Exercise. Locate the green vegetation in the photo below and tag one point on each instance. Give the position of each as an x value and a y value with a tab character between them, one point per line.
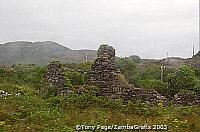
127	68
183	79
23	107
148	76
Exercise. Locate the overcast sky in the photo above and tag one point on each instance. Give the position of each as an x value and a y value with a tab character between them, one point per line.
148	28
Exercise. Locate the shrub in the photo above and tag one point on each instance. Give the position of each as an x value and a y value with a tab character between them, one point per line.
197	87
27	75
88	100
159	86
150	72
75	78
127	67
136	80
183	79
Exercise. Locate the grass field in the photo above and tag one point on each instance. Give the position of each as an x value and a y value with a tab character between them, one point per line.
24	108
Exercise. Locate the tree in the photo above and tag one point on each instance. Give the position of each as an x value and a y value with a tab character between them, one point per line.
134	58
183	79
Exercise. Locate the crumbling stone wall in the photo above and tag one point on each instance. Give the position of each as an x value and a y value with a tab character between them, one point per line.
54	76
185	98
148	96
104	72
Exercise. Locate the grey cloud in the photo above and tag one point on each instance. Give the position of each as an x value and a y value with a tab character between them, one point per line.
149	28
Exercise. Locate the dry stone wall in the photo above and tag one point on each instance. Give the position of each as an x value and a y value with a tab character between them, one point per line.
55	77
148	96
104	73
185	98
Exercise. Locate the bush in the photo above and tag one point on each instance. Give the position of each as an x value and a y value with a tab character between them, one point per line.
197	87
136	80
88	100
159	86
127	67
27	75
150	72
183	79
75	78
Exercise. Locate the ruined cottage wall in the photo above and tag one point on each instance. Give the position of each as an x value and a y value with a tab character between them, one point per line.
54	76
104	72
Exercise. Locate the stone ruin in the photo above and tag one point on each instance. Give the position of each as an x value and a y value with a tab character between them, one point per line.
104	73
185	98
55	77
148	96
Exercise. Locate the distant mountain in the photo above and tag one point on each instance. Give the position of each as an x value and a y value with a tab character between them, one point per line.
175	62
41	53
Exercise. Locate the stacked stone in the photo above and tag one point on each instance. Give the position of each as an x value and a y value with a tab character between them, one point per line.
54	76
197	99
186	98
104	72
150	96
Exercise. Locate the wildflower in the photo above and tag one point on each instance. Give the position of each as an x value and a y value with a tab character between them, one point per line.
185	121
18	94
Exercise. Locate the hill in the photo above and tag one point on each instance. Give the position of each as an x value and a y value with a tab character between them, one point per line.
195	60
197	56
41	53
